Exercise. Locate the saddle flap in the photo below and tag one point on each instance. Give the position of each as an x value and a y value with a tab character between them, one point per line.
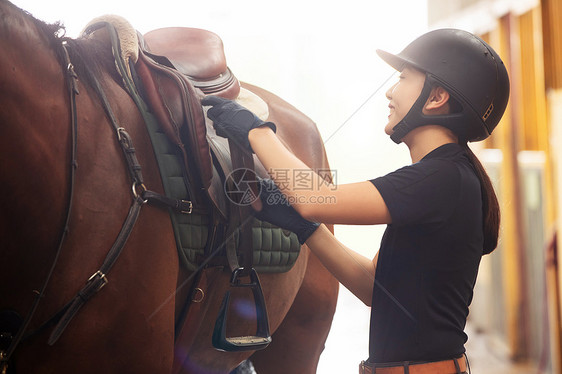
176	105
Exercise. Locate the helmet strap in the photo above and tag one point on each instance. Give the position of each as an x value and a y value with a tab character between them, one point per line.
409	122
455	122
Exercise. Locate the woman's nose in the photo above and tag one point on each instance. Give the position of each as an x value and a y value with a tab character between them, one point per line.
388	93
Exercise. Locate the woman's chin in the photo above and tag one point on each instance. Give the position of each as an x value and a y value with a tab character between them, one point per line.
388	130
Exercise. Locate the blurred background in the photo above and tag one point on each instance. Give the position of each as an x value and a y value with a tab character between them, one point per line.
320	57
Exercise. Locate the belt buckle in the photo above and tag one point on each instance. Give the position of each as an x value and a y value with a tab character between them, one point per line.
363	367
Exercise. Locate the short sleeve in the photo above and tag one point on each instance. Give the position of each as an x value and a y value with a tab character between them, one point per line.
422	193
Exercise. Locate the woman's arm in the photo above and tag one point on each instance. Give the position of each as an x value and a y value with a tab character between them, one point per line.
357	203
354	271
354	203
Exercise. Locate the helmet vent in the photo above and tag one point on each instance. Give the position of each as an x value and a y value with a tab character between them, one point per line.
488	112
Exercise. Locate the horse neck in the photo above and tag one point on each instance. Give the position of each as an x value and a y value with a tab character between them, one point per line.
34	138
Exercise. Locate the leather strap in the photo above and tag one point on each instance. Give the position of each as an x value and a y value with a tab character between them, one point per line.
98	279
181	206
72	82
453	366
241	213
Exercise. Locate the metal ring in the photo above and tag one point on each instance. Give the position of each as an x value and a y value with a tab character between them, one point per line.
199	299
141	188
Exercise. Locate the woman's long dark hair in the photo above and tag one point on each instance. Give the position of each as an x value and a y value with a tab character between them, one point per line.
490	205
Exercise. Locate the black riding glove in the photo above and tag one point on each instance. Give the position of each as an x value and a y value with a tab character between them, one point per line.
277	211
231	120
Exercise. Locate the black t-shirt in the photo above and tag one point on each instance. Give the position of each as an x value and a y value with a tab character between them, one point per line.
428	260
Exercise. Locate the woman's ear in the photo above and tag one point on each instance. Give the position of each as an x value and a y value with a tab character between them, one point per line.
438	101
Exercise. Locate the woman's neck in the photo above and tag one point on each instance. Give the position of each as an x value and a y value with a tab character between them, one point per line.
425	139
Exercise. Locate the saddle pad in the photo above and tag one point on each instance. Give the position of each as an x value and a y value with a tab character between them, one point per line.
275	250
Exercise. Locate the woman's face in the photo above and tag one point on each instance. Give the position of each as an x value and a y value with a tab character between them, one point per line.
402	96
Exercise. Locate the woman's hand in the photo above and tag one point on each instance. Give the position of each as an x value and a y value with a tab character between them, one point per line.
277	211
231	120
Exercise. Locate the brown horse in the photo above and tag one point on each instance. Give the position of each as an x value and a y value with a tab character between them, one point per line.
128	326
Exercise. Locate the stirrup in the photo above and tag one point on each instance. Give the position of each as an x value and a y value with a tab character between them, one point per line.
243	343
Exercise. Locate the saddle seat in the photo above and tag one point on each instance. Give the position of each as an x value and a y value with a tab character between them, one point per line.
197	53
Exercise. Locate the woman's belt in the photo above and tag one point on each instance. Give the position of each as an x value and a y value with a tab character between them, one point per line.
453	366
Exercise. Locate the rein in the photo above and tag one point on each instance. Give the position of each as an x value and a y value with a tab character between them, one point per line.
72	79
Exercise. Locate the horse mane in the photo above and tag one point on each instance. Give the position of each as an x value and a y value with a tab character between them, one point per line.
90	57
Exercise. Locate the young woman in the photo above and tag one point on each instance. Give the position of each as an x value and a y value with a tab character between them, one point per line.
441	211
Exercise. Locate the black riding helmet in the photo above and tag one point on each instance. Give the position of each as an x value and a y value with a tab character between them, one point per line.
469	69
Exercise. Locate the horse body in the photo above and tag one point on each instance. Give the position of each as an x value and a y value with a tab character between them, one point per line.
129	325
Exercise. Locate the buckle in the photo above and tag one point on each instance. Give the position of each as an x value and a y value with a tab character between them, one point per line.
365	368
186	207
101	276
